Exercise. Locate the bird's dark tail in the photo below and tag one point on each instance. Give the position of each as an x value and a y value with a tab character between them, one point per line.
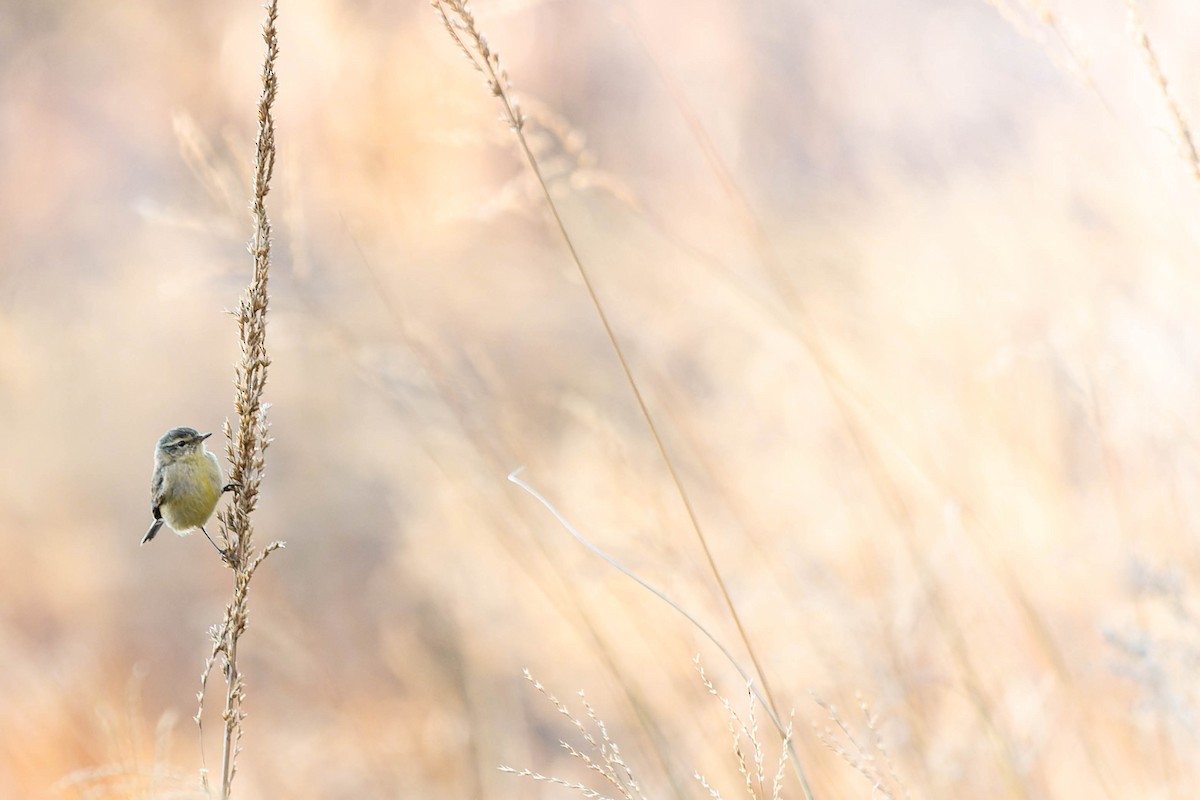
158	523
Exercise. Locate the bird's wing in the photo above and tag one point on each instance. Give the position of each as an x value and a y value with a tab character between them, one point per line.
159	494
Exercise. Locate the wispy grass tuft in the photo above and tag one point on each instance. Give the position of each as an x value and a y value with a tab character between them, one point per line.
602	756
866	753
605	759
741	730
247	444
128	773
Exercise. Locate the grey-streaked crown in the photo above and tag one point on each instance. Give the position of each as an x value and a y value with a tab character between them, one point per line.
178	436
178	441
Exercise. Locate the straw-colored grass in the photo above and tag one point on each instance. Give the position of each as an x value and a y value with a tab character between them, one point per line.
895	302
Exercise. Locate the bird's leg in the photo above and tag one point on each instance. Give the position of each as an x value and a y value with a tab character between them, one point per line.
226	555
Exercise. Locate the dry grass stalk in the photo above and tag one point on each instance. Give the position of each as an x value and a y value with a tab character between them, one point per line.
784	731
608	762
459	22
860	415
246	446
753	772
1183	131
870	757
565	161
860	418
1032	24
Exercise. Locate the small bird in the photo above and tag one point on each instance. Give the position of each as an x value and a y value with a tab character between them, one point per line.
187	484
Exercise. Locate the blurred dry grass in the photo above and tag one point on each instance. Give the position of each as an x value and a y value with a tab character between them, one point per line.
998	258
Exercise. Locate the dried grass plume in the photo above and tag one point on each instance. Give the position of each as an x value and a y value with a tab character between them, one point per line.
247	444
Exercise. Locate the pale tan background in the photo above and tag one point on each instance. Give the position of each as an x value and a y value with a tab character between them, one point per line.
1000	257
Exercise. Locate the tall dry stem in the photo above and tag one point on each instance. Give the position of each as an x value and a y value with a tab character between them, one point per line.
459	22
1183	131
245	446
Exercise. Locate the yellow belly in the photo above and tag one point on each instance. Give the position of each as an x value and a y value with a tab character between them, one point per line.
192	493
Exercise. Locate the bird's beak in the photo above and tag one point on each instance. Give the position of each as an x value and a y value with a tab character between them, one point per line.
204	436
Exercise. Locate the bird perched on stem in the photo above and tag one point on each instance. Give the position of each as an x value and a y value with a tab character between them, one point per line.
187	484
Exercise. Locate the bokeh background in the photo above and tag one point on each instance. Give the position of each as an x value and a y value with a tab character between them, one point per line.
910	289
